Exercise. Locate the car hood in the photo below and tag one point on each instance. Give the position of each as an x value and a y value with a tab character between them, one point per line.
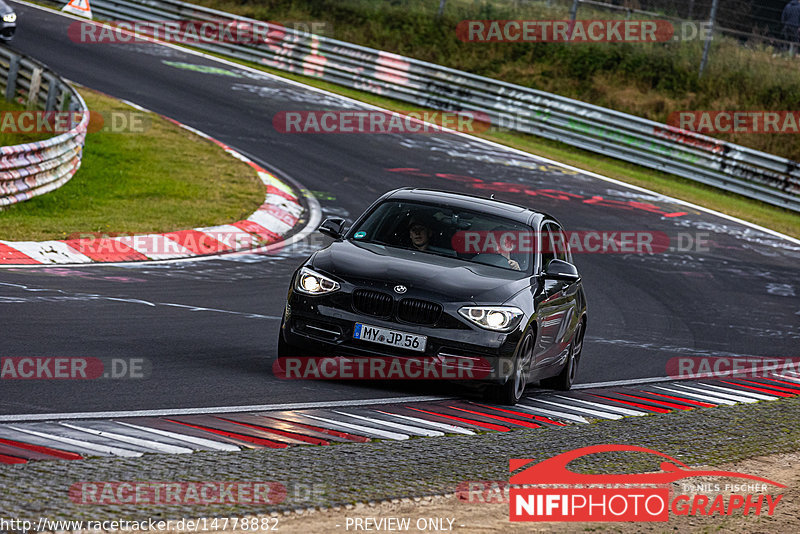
425	275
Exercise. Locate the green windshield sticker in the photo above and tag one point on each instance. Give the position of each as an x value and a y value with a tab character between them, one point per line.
359	235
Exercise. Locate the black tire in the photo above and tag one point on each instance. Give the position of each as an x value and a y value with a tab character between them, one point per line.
288	350
564	380
284	350
511	392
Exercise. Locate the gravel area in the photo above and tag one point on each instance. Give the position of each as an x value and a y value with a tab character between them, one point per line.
341	475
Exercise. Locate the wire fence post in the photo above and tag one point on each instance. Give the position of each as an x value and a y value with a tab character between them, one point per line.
11	80
441	9
573	11
710	37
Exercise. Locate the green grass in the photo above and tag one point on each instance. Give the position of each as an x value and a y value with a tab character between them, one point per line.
8	129
160	180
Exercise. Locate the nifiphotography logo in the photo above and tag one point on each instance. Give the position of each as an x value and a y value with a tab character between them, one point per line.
552	492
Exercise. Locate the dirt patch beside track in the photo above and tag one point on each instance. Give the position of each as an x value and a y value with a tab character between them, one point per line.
491	518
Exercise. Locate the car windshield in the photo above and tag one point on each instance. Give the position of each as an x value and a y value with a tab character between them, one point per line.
463	234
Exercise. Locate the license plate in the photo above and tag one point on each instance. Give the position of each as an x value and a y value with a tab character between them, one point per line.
393	338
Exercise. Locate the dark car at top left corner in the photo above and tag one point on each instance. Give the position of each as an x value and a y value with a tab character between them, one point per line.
381	290
8	22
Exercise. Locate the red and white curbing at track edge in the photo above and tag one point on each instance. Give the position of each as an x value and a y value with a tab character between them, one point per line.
276	216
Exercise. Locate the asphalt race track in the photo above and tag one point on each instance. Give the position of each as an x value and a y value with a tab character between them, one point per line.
739	297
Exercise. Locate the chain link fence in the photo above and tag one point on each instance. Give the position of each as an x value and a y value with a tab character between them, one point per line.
749	21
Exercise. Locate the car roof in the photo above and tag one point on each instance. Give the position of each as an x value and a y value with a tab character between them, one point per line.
491	206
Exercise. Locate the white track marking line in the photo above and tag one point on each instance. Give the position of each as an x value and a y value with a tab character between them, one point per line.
790	378
620	410
550	413
595	413
101	449
211	444
704	396
397	426
630	382
454	132
215	409
452	429
91	296
385	434
715	391
748	393
154	445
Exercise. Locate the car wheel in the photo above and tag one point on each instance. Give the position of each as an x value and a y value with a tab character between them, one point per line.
511	392
564	380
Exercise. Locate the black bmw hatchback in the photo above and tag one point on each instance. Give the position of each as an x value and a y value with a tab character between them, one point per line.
465	282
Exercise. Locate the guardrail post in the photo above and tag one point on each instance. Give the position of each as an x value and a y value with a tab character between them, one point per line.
33	90
52	92
63	98
441	9
11	84
573	11
710	38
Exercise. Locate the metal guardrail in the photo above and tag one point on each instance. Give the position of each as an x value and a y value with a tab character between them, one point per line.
727	166
32	169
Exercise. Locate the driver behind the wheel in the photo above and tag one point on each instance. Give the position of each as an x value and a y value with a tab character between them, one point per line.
499	254
420	231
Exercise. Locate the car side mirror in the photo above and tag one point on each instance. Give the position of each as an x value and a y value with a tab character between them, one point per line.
561	270
332	227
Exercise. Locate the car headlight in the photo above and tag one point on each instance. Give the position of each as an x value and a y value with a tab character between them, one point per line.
10	17
500	318
313	283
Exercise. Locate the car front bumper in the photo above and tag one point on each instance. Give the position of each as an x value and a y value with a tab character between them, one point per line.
315	327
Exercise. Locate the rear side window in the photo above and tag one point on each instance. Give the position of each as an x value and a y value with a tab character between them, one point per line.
554	244
560	242
547	248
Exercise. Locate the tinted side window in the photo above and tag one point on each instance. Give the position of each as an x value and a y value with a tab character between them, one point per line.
547	248
559	242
